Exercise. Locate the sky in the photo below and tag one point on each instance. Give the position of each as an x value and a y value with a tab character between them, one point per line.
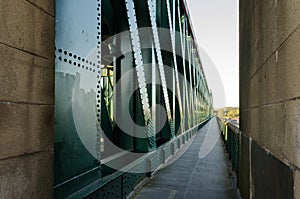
215	24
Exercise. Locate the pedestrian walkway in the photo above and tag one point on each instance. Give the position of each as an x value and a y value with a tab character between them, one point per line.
203	171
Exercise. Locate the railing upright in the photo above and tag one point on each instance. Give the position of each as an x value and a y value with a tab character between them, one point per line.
230	134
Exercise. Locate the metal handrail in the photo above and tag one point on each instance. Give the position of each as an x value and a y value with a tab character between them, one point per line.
230	134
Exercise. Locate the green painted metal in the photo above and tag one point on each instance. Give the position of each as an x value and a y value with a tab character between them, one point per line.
230	135
86	104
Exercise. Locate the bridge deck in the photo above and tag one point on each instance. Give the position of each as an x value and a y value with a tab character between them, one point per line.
203	171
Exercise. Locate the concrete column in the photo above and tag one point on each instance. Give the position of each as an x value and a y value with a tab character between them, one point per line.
270	98
26	98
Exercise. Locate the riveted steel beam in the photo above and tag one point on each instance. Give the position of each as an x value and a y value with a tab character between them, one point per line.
99	140
183	33
151	6
138	59
172	33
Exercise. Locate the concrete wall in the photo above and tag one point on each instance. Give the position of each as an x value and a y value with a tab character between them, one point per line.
26	98
270	98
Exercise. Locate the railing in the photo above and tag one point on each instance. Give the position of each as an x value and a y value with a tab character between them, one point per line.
121	184
230	134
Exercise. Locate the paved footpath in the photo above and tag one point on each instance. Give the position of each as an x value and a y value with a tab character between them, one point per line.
203	171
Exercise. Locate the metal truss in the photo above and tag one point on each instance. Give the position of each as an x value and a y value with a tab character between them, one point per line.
151	6
172	33
98	89
135	39
183	49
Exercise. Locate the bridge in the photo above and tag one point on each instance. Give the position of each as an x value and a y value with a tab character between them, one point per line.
195	173
109	99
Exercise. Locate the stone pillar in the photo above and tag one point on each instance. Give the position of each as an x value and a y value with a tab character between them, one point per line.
26	98
270	98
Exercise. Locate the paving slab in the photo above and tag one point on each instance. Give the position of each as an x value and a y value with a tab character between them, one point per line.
203	171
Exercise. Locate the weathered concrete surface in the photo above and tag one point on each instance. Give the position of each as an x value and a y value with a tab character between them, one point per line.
28	176
194	177
25	129
26	98
26	27
269	86
292	138
45	5
271	177
25	77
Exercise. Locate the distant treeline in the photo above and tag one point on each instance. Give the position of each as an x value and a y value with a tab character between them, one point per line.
228	112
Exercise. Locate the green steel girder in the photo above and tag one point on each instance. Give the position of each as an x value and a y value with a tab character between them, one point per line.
86	108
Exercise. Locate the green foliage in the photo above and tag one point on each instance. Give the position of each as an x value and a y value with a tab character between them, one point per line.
228	112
